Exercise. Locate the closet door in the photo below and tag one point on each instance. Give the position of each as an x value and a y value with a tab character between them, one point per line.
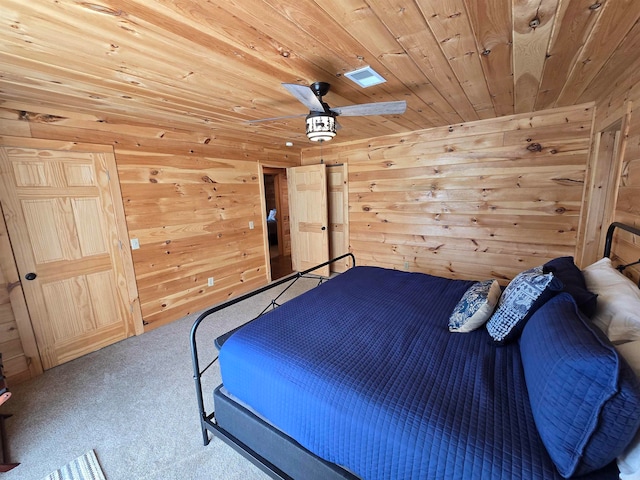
66	225
308	217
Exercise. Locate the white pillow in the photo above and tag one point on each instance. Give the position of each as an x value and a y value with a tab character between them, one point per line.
629	461
475	307
630	351
618	310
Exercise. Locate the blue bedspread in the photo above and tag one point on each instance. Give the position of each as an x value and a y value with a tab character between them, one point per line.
363	372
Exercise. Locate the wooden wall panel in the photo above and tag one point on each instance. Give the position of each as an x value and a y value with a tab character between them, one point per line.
191	217
476	200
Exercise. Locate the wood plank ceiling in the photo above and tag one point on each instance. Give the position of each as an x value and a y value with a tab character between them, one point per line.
209	66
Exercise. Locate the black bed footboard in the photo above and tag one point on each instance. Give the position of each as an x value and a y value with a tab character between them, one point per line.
207	420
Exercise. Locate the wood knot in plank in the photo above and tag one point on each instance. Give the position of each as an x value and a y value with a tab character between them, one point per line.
208	179
38	117
534	147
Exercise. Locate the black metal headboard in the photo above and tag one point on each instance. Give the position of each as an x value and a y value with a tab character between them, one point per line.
609	240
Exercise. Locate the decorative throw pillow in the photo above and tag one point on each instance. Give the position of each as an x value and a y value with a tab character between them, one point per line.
584	397
527	292
475	307
565	270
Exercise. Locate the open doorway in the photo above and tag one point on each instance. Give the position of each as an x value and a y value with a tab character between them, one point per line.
277	214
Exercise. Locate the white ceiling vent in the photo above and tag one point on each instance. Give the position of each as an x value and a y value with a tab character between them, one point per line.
365	77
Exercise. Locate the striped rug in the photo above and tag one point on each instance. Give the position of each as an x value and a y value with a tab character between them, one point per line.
85	467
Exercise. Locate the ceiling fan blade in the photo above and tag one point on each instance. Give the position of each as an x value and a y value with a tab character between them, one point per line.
305	95
273	119
379	108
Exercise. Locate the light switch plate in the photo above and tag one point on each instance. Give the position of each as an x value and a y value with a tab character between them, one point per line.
135	244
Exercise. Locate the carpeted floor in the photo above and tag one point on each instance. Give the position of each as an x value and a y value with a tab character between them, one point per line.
133	403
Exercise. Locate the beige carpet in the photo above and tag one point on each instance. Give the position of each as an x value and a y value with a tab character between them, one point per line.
134	404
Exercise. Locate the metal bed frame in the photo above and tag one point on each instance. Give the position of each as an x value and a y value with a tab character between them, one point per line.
609	241
208	421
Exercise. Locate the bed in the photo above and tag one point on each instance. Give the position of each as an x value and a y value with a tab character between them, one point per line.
379	373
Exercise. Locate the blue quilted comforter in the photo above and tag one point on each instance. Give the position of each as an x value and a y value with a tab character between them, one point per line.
363	372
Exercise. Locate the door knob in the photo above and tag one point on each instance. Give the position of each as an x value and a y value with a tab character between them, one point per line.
324	228
30	276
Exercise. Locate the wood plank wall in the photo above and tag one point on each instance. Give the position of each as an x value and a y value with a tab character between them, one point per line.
624	96
188	198
191	217
475	200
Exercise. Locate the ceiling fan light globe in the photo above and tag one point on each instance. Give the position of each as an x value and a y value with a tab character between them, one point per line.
321	127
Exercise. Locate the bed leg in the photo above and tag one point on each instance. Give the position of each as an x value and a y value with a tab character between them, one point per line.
205	435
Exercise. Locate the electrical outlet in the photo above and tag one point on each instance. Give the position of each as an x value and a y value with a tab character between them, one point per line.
251	225
406	265
135	244
210	282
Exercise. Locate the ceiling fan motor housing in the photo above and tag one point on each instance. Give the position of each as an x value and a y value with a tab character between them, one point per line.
320	89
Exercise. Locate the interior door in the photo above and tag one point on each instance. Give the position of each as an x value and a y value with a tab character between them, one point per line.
338	215
62	209
308	217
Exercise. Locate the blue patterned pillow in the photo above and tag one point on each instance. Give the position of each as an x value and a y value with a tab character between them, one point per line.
475	307
527	292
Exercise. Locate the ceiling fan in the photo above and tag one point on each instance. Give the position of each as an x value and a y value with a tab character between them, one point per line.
321	119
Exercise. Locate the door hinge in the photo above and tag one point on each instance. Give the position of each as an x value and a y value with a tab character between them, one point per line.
108	176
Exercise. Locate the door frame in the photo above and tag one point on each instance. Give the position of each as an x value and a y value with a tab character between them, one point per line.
602	182
262	171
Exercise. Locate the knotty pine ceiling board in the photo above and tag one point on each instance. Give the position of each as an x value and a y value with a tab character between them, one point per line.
209	67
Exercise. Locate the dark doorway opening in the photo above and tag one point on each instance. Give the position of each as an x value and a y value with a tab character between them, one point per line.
278	234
